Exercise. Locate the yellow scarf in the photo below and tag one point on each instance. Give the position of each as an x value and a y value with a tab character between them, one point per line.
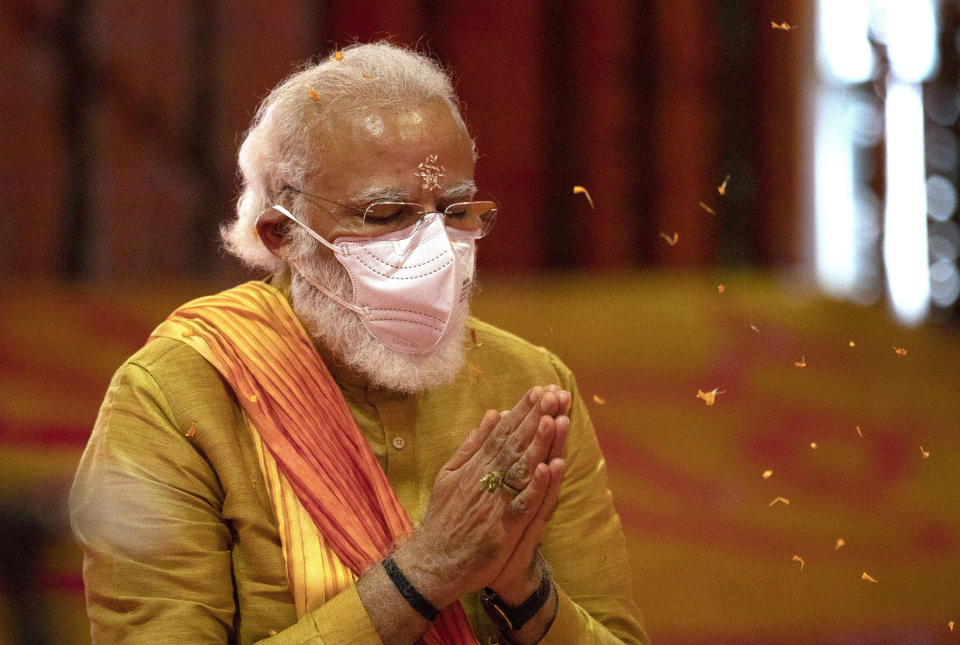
318	464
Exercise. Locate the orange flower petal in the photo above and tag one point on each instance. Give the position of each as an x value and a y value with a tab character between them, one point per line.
797	558
707	208
708	397
767	474
578	190
670	240
781	500
840	543
866	576
722	188
598	400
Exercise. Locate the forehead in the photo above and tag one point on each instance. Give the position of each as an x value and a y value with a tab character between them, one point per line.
386	147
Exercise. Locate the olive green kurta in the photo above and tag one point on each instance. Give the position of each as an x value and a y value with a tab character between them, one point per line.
180	541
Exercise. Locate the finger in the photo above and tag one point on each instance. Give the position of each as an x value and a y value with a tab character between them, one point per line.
521	436
559	448
518	475
566	400
474	440
509	420
525	505
533	534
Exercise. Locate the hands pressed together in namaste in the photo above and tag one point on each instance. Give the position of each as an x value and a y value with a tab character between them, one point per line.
485	519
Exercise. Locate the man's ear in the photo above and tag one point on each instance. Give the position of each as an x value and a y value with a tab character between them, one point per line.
271	229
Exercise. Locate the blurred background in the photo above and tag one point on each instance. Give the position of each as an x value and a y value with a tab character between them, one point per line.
771	214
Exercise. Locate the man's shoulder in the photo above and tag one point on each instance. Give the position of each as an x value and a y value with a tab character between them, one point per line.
162	356
504	346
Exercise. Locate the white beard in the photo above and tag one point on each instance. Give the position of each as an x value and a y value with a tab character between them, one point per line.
343	333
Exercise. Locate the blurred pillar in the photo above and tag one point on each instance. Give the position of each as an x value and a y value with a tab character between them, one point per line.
78	89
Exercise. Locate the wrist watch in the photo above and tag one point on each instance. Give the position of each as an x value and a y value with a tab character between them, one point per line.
508	618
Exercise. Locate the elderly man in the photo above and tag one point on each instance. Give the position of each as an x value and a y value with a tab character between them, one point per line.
339	453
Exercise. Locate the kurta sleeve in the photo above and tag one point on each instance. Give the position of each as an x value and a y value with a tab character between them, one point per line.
585	546
147	510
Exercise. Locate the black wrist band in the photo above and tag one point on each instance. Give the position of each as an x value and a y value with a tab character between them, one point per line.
408	591
509	618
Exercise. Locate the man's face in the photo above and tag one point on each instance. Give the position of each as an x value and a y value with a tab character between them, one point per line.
390	154
381	155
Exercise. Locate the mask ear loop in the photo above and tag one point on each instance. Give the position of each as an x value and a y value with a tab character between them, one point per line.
363	311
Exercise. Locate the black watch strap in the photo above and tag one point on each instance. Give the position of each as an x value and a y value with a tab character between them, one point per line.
509	618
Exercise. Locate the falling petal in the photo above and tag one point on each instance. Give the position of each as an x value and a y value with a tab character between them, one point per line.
797	558
670	240
578	190
866	576
840	543
722	188
721	288
900	351
784	26
598	400
950	624
708	397
767	474
801	363
860	432
852	344
755	328
707	208
781	500
923	453
477	372
813	444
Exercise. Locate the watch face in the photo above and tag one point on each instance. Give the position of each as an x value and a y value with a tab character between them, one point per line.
496	614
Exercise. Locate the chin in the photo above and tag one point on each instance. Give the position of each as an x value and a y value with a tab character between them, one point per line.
343	333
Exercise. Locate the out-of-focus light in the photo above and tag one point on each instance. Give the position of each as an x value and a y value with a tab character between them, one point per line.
941	147
905	215
944	240
944	283
834	204
844	51
942	104
911	39
941	198
942	249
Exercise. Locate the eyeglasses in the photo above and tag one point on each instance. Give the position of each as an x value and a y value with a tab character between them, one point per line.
383	217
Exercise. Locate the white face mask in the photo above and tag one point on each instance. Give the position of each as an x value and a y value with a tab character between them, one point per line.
407	285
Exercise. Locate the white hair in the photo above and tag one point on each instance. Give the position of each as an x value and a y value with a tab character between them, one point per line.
285	143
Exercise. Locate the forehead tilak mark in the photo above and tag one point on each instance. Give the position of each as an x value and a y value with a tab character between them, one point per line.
430	171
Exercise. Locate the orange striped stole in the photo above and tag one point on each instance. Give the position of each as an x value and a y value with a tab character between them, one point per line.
252	337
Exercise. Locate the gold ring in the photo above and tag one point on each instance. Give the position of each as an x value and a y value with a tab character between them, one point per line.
491	481
510	487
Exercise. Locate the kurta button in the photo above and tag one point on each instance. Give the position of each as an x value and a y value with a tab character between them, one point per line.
399	443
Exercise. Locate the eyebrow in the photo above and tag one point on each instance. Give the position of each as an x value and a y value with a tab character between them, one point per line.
463	190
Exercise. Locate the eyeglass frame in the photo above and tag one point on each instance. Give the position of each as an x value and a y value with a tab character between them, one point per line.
484	231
